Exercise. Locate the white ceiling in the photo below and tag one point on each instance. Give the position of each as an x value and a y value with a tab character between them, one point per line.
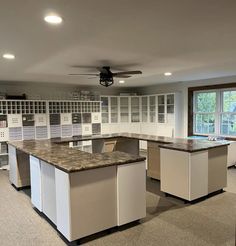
194	39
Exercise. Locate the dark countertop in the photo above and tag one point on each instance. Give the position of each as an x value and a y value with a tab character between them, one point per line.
180	144
194	145
72	160
57	152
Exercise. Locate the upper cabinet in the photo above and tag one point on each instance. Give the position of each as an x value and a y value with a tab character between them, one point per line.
158	108
170	101
124	109
161	108
105	109
114	109
135	109
144	108
152	109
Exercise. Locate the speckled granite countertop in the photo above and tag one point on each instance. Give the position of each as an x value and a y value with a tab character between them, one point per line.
57	152
144	137
180	144
72	160
194	145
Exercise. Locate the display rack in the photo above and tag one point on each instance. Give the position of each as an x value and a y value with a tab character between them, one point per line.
37	119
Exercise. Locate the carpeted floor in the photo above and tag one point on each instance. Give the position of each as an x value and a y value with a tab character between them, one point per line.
169	221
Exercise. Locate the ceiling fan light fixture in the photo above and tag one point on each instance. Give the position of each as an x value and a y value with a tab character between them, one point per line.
106	81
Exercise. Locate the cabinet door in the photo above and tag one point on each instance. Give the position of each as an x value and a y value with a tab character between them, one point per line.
124	109
86	129
114	109
14	120
153	157
36	182
96	117
144	109
135	109
161	108
152	109
105	109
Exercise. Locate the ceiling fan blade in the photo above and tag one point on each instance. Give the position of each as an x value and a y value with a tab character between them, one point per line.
83	74
95	77
127	72
121	76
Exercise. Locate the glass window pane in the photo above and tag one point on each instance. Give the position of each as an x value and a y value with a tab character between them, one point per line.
205	123
228	124
229	101
206	102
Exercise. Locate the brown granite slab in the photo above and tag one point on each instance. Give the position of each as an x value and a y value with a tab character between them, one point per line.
71	159
194	146
181	144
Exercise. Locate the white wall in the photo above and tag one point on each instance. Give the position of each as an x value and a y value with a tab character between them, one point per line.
59	91
54	91
182	88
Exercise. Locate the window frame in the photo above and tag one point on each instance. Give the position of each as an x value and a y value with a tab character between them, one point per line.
219	112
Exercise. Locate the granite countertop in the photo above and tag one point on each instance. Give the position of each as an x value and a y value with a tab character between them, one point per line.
57	151
144	137
180	144
193	145
72	160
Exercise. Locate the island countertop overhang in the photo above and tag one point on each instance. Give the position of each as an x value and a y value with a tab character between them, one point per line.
72	160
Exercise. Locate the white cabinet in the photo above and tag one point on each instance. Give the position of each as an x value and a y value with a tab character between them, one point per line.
105	109
231	154
14	120
135	109
86	129
36	183
96	117
124	110
131	192
40	119
66	119
161	109
152	109
144	108
3	134
114	109
48	191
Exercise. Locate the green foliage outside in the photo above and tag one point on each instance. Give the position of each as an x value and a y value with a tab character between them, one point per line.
206	102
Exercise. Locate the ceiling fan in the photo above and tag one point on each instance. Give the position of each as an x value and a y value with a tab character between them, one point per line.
106	76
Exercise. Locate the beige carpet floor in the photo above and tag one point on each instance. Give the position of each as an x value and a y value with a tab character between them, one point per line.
169	221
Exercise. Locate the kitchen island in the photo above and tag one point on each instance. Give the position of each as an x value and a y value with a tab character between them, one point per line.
82	193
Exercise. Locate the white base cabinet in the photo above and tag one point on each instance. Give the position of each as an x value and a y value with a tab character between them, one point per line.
36	183
48	191
86	202
131	192
193	175
184	174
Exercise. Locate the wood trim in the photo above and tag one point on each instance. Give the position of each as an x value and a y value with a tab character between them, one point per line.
191	91
212	87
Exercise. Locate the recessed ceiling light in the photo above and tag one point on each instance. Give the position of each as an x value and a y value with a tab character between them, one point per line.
121	81
168	74
53	19
8	56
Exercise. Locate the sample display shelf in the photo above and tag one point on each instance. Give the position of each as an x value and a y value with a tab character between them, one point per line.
37	119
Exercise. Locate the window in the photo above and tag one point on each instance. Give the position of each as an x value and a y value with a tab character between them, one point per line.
215	112
228	115
205	110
